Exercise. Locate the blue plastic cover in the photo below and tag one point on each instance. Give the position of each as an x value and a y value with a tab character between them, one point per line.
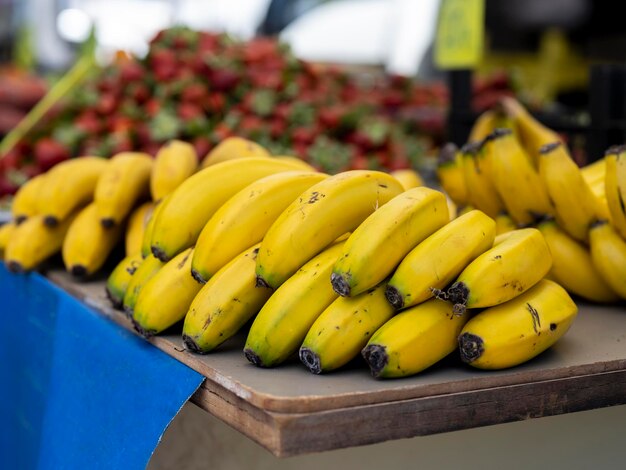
77	390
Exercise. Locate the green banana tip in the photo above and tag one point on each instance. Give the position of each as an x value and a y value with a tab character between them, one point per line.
471	347
311	360
376	357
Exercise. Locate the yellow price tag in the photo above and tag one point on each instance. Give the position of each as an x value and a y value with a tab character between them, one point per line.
460	34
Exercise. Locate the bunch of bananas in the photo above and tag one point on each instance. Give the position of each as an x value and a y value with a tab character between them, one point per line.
520	173
325	267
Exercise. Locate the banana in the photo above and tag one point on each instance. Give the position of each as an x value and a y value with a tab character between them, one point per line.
146	248
343	329
33	242
174	163
596	171
450	174
615	189
380	242
87	243
452	209
136	227
608	252
572	266
119	279
504	223
519	185
408	178
224	304
283	322
518	260
319	216
165	298
187	210
70	185
243	220
439	259
533	135
414	340
124	182
481	190
518	330
304	166
146	271
575	206
233	148
25	202
484	125
6	232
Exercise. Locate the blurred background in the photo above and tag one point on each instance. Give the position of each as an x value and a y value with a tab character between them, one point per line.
340	83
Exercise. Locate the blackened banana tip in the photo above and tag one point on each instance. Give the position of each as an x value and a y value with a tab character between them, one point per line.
376	357
311	360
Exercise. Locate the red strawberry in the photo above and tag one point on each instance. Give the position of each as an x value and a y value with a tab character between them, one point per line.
153	106
139	92
120	142
189	111
131	71
194	93
11	161
221	132
278	127
88	122
215	102
120	124
49	152
304	135
7	186
224	79
106	104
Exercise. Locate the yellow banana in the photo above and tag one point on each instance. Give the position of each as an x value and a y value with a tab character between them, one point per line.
319	216
414	340
243	220
596	171
576	208
484	125
465	209
481	190
119	279
408	178
450	174
504	223
439	259
608	252
533	135
124	182
516	263
6	232
146	248
224	304
165	298
518	330
304	166
136	227
233	148
452	209
187	210
25	202
572	266
70	185
281	325
174	163
146	271
515	178
615	189
87	243
380	242
343	329
33	242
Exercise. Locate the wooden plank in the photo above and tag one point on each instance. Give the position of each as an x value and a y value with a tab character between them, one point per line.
595	344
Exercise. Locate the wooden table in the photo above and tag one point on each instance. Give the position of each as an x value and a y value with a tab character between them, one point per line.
290	411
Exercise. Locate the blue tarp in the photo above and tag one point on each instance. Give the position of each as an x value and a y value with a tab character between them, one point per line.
76	390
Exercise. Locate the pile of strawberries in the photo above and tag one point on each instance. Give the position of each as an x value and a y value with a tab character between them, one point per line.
203	87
